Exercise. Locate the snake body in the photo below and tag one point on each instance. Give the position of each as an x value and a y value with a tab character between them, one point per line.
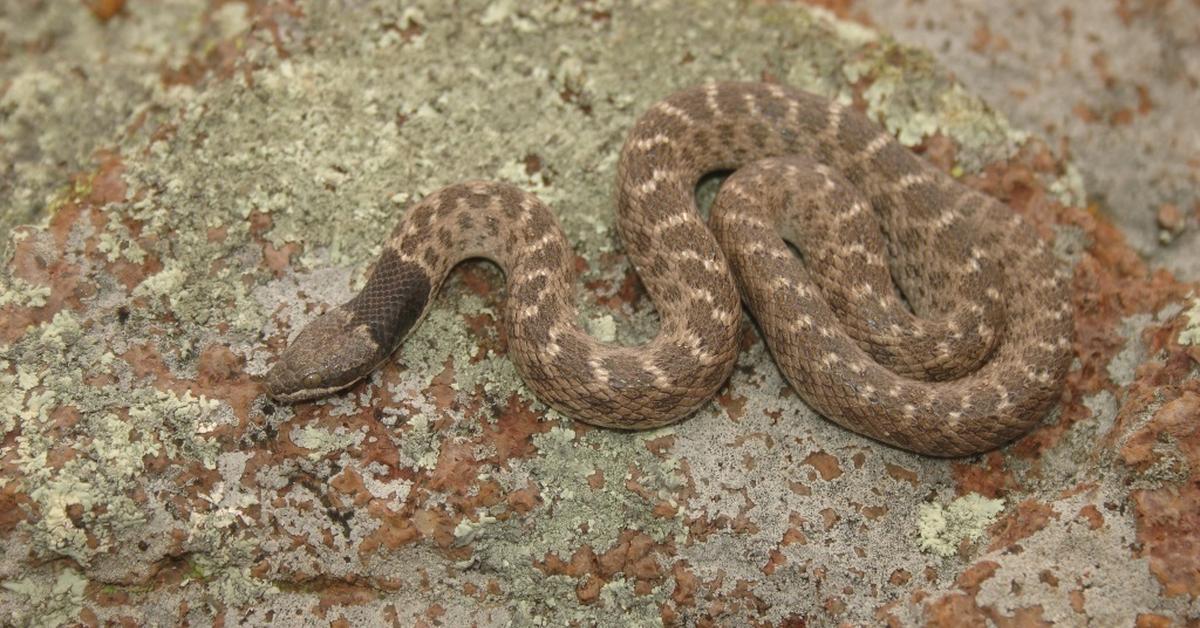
980	362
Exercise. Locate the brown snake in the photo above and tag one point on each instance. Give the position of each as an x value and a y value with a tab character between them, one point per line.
980	362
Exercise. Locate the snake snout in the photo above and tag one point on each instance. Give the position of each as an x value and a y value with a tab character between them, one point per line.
284	384
328	355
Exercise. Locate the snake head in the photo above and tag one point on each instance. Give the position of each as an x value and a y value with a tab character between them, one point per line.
331	353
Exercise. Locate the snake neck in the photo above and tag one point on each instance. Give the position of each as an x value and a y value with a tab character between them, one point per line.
388	307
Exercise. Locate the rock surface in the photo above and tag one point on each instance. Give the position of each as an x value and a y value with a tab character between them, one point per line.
206	178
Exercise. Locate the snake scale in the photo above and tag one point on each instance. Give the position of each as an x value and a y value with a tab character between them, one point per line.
913	310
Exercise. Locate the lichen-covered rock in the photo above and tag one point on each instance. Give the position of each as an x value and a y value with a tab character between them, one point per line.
248	181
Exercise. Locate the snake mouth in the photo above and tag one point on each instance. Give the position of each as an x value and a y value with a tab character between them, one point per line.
285	386
298	396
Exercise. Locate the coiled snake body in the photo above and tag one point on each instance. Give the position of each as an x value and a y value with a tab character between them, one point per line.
980	365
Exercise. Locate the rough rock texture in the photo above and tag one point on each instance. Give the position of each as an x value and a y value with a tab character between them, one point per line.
1112	85
217	174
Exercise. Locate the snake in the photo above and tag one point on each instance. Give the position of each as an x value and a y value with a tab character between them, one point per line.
897	301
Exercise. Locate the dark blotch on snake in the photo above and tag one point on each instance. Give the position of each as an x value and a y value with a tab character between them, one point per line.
392	300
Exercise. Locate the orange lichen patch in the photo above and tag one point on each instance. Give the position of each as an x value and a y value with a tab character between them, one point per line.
63	420
377	446
793	535
686	584
131	274
991	478
1028	517
216	234
955	610
975	575
106	596
221	58
1047	577
774	560
983	40
480	278
435	525
596	480
661	446
220	374
1168	528
524	500
1175	422
1130	10
884	616
900	473
1092	516
873	512
104	10
1152	620
335	593
512	432
825	464
108	182
632	556
1168	521
1085	113
588	589
395	529
664	510
441	387
350	484
14	500
145	361
634	485
583	562
456	470
734	405
829	518
33	262
1025	616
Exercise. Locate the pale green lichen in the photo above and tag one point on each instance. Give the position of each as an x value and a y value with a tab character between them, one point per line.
442	335
235	587
116	243
87	496
1190	335
17	291
849	32
942	528
1069	189
186	418
103	475
222	541
421	443
467	531
322	442
914	102
48	604
573	513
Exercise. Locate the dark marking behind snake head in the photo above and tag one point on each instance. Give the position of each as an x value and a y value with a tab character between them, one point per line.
346	344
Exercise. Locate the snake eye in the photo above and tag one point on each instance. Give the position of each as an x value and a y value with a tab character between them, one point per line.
312	380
